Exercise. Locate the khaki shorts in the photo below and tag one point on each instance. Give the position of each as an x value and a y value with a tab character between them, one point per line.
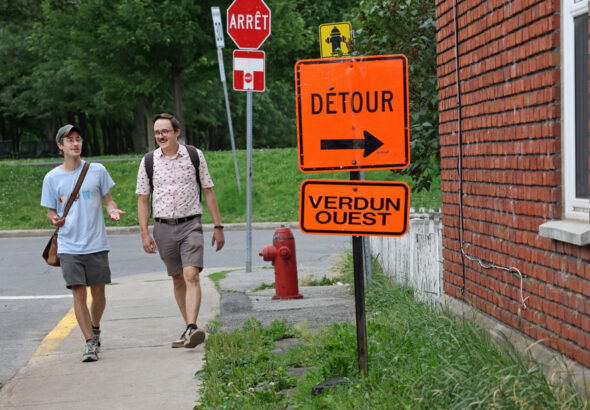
180	245
88	270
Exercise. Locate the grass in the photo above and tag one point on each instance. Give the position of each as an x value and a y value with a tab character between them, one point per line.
324	281
217	276
275	188
305	281
418	358
263	286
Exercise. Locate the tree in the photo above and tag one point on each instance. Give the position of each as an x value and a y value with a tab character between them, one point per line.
409	27
17	19
110	64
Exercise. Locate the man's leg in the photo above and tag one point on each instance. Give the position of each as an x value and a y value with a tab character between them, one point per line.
194	335
180	290
193	293
98	304
81	310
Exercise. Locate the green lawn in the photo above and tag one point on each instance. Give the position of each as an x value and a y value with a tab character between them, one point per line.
275	188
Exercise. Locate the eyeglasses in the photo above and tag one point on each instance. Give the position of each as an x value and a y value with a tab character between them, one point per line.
71	140
163	133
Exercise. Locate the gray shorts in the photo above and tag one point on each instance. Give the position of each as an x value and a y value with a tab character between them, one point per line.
89	270
180	245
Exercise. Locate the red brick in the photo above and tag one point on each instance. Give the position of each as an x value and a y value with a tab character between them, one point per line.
511	132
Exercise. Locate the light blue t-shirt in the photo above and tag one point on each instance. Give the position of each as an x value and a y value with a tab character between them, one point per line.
84	231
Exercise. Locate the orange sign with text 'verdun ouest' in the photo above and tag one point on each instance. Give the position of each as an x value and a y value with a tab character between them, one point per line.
353	113
359	208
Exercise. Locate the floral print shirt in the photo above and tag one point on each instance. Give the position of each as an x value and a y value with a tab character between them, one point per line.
176	193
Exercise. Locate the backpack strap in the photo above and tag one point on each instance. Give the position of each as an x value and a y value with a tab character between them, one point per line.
194	154
149	168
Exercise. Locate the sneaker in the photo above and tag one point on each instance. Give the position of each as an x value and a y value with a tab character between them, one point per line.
194	337
90	354
181	340
96	337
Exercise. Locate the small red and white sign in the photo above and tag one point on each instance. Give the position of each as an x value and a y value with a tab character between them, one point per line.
248	70
248	23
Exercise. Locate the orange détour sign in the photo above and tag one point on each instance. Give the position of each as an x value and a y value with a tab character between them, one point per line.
361	208
353	113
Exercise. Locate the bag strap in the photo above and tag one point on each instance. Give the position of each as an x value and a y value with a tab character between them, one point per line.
76	188
194	155
149	168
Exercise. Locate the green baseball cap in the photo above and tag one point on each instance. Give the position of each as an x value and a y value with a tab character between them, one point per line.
65	130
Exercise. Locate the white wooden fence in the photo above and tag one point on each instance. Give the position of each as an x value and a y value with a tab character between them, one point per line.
414	259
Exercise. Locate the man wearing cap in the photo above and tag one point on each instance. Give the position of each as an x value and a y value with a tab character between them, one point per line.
176	207
82	243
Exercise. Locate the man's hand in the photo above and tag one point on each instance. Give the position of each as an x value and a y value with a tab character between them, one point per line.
149	245
57	221
115	214
218	237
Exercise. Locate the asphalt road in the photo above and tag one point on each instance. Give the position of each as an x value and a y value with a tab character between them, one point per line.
33	297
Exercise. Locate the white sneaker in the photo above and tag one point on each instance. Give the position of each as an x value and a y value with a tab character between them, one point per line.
181	340
91	352
194	337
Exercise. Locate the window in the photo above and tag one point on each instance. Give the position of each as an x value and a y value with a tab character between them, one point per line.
575	80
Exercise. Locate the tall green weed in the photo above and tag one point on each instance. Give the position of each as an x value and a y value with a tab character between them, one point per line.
419	358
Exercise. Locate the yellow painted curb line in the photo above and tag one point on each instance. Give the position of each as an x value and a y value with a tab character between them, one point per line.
51	342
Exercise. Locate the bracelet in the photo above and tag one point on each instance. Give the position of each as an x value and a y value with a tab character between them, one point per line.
111	211
218	227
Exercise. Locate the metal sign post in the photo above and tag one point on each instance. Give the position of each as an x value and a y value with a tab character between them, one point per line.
249	181
248	25
367	251
220	42
359	296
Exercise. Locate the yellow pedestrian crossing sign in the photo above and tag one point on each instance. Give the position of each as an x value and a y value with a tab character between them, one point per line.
335	39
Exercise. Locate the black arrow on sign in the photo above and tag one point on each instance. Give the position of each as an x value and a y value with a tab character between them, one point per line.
370	144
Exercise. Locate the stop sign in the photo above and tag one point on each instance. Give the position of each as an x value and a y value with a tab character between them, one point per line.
248	23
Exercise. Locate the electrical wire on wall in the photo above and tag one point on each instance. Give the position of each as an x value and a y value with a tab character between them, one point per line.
464	254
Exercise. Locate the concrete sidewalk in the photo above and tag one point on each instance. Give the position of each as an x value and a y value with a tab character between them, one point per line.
137	368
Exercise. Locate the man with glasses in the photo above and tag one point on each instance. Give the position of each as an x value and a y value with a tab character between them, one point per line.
172	179
82	242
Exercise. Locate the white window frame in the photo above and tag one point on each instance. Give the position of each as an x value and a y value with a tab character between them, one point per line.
574	208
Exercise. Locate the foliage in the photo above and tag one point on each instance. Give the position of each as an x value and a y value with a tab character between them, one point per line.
418	358
217	276
275	188
408	27
97	62
264	286
240	370
16	24
304	281
100	61
324	281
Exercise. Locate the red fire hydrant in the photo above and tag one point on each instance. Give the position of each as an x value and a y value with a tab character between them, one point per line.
282	255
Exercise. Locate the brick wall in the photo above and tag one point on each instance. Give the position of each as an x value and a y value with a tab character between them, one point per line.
509	56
